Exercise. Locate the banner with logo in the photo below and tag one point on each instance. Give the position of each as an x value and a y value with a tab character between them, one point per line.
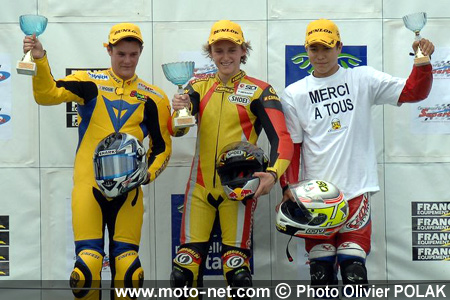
298	65
432	116
5	97
430	230
418	222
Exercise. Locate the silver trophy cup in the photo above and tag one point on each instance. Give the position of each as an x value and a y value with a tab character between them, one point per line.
30	24
179	74
415	22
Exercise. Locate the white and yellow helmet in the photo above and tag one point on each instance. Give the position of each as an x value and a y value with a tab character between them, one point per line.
319	210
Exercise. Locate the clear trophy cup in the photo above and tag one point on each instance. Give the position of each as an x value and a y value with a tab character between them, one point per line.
30	24
415	22
179	74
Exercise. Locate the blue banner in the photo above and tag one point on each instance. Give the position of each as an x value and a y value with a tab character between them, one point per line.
298	65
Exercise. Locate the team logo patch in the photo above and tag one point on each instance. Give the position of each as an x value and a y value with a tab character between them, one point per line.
240	100
336	125
235	262
139	96
224	89
146	88
98	76
184	258
246	89
108	89
360	218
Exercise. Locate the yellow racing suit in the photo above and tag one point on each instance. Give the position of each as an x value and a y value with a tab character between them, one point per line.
226	113
107	104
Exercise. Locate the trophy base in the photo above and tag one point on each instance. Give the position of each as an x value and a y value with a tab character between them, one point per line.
26	68
183	122
423	60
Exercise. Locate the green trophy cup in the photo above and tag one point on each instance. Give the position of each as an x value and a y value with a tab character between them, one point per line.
179	74
30	24
415	22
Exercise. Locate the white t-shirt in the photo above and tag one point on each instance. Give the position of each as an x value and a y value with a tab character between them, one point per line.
331	117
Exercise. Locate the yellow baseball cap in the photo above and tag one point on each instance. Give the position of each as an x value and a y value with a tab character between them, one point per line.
322	31
124	30
226	30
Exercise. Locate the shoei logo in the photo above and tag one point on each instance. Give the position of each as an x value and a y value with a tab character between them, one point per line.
241	100
234	153
184	259
107	152
235	262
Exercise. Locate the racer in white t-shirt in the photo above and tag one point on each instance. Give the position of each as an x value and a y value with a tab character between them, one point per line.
328	115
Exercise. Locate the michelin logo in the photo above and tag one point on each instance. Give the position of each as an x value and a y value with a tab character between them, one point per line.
241	100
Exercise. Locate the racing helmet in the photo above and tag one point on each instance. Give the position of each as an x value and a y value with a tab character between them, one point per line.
120	164
319	210
236	164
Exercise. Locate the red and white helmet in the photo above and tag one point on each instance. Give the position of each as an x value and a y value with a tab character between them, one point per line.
319	210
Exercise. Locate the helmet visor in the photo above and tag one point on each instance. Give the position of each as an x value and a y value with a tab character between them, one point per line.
114	166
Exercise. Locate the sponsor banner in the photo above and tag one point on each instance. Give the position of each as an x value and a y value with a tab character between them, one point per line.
431	209
298	65
431	253
430	231
4	246
71	107
433	115
203	66
5	97
213	262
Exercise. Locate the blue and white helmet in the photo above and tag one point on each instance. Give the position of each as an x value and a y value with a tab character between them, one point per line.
120	164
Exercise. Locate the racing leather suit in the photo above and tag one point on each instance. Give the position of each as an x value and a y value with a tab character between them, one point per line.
226	113
107	104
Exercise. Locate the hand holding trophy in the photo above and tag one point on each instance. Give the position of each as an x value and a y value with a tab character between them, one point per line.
30	24
415	22
179	74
